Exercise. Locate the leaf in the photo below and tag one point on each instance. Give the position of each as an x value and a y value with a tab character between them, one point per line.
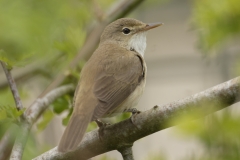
9	114
66	119
61	104
4	58
217	22
46	118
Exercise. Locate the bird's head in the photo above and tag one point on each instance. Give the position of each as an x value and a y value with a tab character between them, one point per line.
129	33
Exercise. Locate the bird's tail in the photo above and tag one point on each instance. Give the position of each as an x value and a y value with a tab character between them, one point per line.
74	132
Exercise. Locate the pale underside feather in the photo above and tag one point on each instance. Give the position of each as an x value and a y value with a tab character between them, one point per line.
138	43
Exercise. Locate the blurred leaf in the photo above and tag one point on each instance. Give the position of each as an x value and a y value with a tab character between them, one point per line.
61	104
3	58
9	114
29	30
33	148
218	134
105	157
46	118
123	116
156	156
217	21
66	119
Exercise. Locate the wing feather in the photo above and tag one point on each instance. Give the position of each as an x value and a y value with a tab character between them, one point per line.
116	81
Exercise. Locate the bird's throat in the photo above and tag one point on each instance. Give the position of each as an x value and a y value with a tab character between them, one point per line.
138	43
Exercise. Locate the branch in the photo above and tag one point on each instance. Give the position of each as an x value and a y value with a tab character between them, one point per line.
41	104
7	142
31	115
118	11
125	133
13	86
20	142
31	70
126	153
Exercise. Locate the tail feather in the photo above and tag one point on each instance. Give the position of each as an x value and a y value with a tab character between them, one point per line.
74	132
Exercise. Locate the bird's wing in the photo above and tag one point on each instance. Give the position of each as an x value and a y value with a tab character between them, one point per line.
116	80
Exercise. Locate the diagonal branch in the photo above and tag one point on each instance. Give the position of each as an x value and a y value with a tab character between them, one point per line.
41	104
125	133
7	142
118	10
32	114
12	86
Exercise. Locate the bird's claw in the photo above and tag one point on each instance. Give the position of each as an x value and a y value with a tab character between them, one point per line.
134	112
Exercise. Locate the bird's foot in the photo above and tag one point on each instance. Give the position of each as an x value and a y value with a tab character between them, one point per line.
134	112
101	126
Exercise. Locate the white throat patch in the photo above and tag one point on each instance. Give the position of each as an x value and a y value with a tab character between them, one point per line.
138	42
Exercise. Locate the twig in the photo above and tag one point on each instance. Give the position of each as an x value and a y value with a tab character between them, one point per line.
31	115
31	70
12	86
20	142
7	142
118	11
126	153
41	104
128	131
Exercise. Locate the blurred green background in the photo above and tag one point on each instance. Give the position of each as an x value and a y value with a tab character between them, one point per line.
196	48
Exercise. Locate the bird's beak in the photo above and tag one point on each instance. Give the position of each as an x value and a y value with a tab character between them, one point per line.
152	25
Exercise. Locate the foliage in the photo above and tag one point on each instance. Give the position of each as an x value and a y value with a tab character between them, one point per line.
33	148
156	156
218	25
217	22
218	135
9	114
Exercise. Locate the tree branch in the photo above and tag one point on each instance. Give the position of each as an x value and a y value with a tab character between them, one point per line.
32	114
7	142
92	40
124	133
126	153
20	142
29	71
12	86
41	104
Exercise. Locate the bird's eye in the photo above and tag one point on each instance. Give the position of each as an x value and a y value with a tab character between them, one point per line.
126	30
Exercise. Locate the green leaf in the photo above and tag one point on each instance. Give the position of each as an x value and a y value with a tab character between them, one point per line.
217	22
61	104
9	114
66	119
4	58
46	118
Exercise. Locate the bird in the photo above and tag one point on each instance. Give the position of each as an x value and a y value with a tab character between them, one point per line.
112	80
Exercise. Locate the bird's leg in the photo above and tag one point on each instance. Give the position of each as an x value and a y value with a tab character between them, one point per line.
134	112
101	126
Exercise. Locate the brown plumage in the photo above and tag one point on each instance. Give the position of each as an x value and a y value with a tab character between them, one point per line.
111	81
